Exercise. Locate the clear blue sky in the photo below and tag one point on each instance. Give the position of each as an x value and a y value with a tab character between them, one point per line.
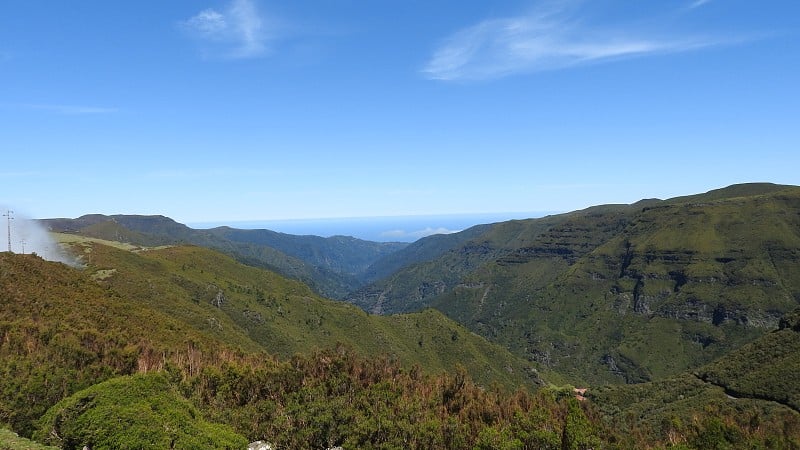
249	109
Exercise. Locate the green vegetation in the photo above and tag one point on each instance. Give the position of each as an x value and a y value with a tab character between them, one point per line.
134	412
262	311
331	266
765	369
159	345
619	293
11	441
746	399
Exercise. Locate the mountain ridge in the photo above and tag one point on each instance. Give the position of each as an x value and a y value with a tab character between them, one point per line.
703	274
330	265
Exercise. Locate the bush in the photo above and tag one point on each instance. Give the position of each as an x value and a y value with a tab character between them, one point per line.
132	412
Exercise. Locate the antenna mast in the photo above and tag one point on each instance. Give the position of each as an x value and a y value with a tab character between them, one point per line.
9	218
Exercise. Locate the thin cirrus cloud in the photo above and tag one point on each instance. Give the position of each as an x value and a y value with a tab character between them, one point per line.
238	31
545	40
70	110
698	3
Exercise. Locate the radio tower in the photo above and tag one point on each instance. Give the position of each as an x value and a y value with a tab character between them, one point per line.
8	216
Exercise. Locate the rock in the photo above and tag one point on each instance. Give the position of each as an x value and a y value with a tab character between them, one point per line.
260	445
219	299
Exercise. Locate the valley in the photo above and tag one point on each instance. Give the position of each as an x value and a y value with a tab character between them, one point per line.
664	309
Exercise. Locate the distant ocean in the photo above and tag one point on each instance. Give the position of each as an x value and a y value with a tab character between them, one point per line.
381	229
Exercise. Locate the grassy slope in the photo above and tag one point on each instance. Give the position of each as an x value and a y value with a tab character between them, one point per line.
622	292
331	266
425	249
263	310
753	386
60	331
764	369
341	254
11	441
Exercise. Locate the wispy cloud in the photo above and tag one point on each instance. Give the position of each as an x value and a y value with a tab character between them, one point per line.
545	40
70	109
238	31
698	3
206	173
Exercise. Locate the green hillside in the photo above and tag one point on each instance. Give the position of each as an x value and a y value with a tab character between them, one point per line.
621	293
425	249
753	387
765	369
332	266
260	310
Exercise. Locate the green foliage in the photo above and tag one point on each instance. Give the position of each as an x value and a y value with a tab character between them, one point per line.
765	369
134	412
331	266
11	441
579	433
259	310
619	293
336	398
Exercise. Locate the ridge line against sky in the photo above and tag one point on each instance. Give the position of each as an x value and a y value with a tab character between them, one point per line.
226	110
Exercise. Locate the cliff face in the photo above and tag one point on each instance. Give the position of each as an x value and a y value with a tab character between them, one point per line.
620	293
641	294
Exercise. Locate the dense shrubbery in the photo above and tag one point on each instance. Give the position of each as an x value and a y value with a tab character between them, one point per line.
62	333
132	412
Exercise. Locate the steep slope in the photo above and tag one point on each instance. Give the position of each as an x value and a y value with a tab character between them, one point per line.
765	369
425	249
622	293
61	331
755	386
257	309
417	285
340	254
331	266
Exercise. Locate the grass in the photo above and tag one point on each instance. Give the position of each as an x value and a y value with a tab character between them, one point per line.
11	441
261	310
658	287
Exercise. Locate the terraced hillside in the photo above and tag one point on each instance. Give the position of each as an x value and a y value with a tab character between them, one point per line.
621	293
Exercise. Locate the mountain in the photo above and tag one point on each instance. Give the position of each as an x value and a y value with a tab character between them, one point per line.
331	266
257	309
340	254
424	250
755	386
620	293
130	310
692	299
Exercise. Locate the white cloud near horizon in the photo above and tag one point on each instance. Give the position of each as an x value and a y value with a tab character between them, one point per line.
545	40
428	231
239	31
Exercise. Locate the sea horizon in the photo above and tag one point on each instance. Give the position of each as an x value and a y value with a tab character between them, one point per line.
407	228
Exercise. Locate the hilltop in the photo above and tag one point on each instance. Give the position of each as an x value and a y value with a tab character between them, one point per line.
331	266
691	301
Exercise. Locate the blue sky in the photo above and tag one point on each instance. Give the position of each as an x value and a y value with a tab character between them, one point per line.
247	109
